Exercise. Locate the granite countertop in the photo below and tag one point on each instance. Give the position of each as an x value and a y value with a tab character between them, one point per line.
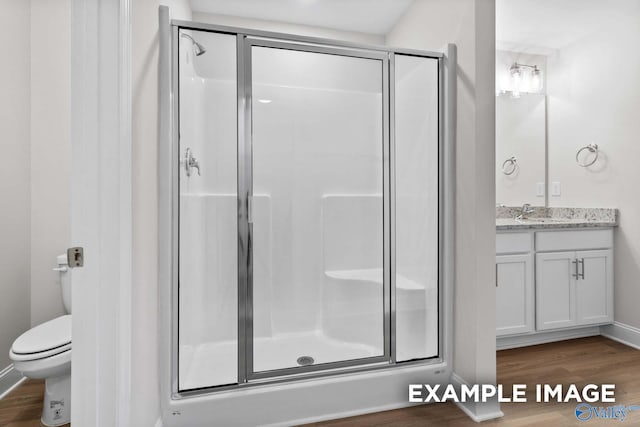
555	218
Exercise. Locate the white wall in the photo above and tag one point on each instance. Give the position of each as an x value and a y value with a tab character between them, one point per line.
50	152
430	24
594	96
179	9
14	173
145	404
34	182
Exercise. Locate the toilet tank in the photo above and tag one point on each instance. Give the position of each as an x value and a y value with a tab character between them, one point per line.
65	281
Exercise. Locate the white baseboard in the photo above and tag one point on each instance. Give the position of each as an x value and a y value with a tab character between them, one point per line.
477	411
625	334
503	343
9	379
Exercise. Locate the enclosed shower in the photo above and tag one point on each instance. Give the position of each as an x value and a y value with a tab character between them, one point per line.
307	208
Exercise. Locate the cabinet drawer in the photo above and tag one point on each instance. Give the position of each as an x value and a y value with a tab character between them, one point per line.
574	240
510	243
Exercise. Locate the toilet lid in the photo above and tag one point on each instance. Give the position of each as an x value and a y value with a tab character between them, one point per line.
50	335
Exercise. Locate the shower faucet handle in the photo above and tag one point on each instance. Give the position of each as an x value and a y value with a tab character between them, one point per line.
195	164
190	162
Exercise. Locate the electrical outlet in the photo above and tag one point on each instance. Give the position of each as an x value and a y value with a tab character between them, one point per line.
555	188
540	189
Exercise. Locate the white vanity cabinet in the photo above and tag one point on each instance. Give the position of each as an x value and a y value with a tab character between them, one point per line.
514	284
572	286
514	294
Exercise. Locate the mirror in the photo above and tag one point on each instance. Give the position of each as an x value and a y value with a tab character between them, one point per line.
520	150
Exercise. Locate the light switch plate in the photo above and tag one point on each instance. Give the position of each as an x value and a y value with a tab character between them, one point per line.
555	188
540	189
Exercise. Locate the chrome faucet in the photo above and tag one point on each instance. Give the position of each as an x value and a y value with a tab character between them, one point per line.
526	210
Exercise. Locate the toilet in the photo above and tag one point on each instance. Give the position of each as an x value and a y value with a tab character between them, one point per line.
44	352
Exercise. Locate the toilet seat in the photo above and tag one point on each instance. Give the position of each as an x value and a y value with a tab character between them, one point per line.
45	340
18	357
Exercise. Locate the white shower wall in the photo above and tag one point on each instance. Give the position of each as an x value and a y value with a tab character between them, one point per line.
298	168
208	207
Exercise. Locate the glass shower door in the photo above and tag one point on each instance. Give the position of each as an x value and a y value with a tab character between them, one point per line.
317	207
207	176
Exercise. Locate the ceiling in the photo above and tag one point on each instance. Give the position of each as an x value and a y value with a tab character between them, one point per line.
542	26
367	16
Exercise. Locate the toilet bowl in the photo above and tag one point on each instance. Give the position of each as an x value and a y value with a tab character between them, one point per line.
44	352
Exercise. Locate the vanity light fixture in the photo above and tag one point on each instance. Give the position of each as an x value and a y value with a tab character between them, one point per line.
517	79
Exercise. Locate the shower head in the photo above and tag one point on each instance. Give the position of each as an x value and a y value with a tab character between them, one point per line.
198	49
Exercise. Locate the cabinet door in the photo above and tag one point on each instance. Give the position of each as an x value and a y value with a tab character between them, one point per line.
594	287
514	294
555	290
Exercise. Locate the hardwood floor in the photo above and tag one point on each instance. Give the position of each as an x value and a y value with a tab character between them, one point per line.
23	406
595	360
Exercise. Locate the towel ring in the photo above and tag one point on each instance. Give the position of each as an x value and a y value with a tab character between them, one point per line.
510	165
592	148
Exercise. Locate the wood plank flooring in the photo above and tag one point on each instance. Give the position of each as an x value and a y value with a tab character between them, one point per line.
583	361
588	360
23	406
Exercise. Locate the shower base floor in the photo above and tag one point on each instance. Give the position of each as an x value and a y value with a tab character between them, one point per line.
212	364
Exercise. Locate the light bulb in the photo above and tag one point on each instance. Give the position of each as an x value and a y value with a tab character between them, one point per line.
516	79
536	80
